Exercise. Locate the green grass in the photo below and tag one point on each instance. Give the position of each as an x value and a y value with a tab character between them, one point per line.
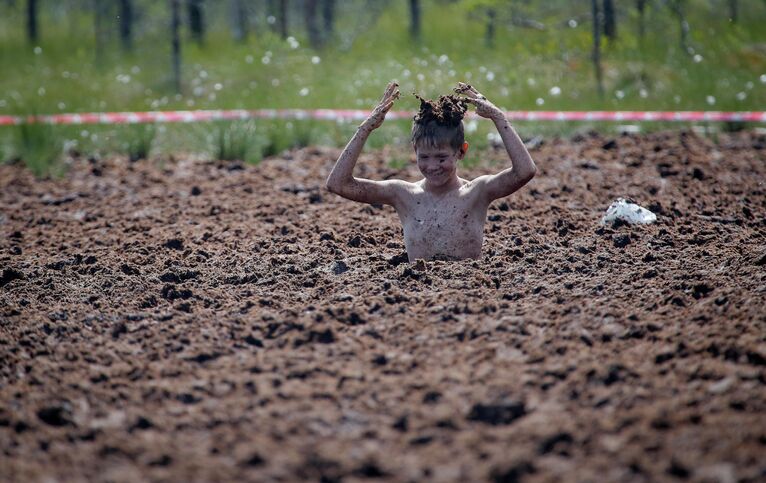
520	72
38	147
136	140
234	141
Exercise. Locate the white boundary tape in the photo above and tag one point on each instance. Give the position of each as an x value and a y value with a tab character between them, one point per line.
342	115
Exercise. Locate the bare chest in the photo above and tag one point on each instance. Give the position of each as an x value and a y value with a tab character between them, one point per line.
437	218
453	226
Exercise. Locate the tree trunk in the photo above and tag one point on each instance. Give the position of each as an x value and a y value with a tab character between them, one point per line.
239	20
310	16
415	12
677	6
271	15
196	20
597	21
733	10
282	18
32	21
175	40
641	7
610	22
328	15
126	24
489	34
98	29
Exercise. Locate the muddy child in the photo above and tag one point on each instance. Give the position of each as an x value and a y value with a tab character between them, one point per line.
442	215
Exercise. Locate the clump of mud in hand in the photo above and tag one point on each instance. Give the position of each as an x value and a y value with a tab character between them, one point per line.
446	111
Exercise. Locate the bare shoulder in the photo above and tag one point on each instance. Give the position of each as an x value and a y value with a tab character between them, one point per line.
474	183
475	186
397	190
493	186
400	187
400	184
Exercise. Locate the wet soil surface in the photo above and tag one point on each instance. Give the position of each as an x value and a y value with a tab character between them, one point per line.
190	320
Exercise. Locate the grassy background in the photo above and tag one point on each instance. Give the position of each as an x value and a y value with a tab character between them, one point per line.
526	69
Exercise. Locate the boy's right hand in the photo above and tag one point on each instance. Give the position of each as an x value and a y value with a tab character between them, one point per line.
379	114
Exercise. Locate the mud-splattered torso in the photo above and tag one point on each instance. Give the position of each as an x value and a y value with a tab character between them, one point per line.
449	225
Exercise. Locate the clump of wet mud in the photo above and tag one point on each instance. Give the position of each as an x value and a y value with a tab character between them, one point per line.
447	110
208	320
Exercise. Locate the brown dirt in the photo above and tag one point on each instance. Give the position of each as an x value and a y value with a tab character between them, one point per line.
213	321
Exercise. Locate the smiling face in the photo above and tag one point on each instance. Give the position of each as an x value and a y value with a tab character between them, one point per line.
438	145
438	163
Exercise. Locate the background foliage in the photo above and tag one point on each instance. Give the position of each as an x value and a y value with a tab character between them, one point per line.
678	54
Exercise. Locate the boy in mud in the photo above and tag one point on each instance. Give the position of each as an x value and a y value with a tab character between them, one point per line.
442	215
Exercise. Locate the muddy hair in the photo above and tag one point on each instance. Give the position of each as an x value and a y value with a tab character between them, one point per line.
439	123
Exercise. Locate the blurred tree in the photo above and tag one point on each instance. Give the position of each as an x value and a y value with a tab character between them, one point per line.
610	21
677	7
126	24
310	16
239	17
367	14
32	34
733	10
489	33
328	15
487	9
597	18
415	13
271	14
175	41
196	20
98	29
500	12
282	17
641	7
276	16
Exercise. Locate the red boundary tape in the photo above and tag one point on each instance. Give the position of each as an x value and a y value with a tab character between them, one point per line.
358	115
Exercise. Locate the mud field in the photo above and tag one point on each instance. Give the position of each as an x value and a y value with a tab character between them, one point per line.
185	320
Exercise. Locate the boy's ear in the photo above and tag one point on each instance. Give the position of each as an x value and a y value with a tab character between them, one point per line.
464	149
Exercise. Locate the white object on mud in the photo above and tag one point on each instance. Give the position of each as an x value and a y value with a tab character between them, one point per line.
629	213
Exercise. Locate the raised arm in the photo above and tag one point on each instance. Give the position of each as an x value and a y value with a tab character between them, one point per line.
341	180
522	168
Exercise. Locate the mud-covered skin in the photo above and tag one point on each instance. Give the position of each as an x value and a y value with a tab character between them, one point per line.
449	225
442	215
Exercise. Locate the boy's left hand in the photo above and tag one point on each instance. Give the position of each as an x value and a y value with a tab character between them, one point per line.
484	108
